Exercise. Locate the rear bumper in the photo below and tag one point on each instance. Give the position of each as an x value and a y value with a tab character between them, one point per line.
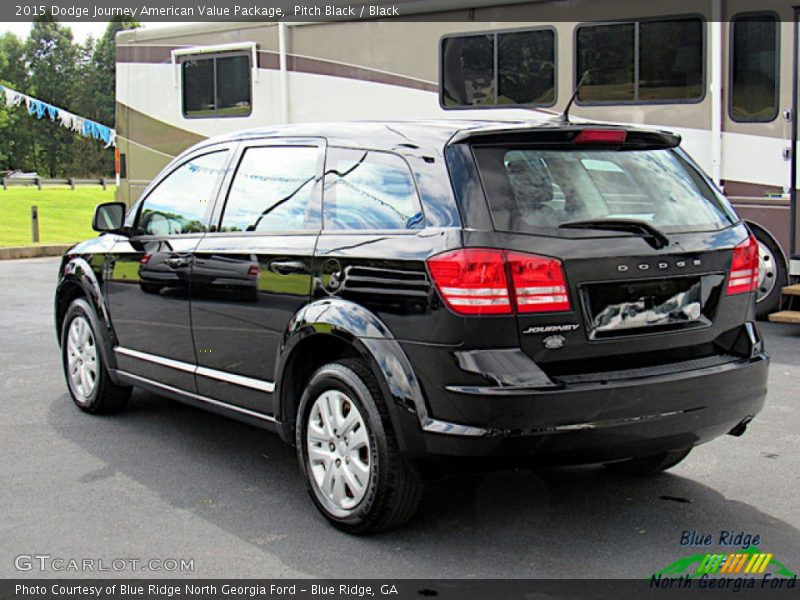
598	422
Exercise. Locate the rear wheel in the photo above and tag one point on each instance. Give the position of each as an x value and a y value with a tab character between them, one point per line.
648	465
772	274
349	454
87	377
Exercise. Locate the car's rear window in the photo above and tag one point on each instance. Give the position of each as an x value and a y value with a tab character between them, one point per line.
536	191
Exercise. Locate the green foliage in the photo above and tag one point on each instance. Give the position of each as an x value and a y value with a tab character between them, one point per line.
12	63
104	61
77	77
51	56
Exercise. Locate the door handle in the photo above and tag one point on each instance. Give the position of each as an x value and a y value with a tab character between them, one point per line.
178	262
286	267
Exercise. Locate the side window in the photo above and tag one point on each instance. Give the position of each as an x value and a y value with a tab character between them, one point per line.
515	67
468	71
754	68
369	190
272	190
179	203
606	52
665	66
217	86
671	60
526	71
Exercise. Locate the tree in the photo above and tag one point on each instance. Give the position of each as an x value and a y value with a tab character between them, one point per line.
53	66
99	102
12	63
16	142
104	64
79	78
87	156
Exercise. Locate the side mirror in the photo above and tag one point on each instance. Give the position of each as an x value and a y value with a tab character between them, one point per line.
109	217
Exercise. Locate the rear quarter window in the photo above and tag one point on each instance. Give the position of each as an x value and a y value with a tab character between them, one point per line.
369	190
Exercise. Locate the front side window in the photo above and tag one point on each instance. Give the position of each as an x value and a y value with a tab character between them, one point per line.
648	61
537	191
179	203
272	190
754	69
217	86
369	190
510	68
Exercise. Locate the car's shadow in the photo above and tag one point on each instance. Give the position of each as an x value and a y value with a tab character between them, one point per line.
571	522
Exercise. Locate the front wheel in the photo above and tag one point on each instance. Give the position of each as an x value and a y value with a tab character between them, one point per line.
643	466
87	377
349	454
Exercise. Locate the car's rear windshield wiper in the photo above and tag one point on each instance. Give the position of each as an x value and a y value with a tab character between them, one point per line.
654	237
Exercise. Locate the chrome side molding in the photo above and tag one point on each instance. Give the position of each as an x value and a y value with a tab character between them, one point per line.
157	360
240	380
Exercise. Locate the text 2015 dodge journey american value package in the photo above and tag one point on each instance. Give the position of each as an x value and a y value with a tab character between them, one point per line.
391	296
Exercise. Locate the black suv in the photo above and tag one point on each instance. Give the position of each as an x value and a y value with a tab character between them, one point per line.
389	295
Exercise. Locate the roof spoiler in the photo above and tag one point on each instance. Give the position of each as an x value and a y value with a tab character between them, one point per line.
594	135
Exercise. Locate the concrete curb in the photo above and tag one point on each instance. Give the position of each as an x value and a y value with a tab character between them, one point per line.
11	252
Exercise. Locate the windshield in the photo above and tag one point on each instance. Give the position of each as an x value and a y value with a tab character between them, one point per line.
536	191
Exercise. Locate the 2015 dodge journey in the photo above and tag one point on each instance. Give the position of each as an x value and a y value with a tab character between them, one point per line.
387	296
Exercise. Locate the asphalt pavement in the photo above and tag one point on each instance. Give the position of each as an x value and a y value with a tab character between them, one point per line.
164	481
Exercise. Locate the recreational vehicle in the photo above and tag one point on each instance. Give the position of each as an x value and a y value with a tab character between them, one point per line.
720	73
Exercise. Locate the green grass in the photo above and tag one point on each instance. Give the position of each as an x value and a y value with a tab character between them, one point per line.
65	215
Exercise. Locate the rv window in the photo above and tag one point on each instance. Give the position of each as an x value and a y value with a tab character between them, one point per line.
754	68
179	202
526	68
607	53
233	85
665	66
469	70
507	68
671	60
217	86
369	190
272	190
198	88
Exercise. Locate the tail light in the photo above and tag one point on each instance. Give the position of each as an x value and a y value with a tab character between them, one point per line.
539	283
744	268
475	281
472	281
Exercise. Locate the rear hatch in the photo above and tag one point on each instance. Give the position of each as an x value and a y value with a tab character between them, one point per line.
619	252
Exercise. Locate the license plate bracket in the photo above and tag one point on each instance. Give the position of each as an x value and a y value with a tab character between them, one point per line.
618	308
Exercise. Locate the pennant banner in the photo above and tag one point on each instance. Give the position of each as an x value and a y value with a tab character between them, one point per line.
39	109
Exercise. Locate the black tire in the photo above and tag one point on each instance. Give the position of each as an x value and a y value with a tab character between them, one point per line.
150	288
777	277
105	396
392	494
648	465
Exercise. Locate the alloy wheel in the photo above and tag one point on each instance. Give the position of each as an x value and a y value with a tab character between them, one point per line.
82	358
337	443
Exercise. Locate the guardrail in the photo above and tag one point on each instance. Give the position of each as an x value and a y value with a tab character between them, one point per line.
40	182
